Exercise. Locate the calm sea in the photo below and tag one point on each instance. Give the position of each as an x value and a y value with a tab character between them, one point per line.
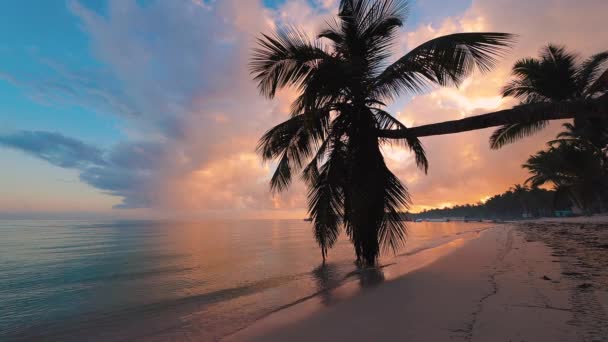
141	280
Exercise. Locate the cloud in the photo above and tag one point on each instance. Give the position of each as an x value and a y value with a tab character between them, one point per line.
175	73
463	169
185	69
55	148
58	84
126	170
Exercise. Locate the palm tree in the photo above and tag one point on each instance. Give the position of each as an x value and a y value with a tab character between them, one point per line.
519	191
553	87
592	136
575	169
556	77
344	80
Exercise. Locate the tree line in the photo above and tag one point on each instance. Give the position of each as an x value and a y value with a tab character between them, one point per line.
518	202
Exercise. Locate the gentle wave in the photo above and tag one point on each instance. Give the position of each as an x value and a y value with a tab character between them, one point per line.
125	280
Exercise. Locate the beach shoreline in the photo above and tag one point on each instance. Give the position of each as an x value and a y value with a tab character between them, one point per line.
527	281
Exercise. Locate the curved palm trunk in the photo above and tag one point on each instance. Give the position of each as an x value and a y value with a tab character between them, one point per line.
523	113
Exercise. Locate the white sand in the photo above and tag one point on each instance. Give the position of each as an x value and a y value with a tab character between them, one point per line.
492	289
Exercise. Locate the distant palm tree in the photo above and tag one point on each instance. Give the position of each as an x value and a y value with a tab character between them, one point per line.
520	191
556	77
344	79
592	135
576	169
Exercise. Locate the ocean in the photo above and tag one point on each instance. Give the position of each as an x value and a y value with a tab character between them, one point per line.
153	280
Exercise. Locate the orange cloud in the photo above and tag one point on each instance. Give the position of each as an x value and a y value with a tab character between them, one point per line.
208	166
463	169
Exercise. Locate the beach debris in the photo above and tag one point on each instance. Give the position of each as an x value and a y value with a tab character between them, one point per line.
545	278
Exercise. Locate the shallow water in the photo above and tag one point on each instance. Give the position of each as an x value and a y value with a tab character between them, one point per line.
69	280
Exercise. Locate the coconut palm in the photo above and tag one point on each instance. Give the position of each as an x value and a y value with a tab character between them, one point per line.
555	76
344	80
520	191
575	169
592	135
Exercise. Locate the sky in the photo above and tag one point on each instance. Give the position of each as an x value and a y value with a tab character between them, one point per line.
146	109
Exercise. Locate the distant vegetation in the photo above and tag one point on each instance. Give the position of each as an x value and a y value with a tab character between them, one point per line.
517	202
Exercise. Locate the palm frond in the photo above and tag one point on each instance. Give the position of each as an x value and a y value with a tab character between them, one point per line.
333	32
392	231
570	133
281	178
600	85
324	86
279	138
284	59
525	87
386	121
552	77
557	54
570	166
527	68
561	140
326	199
510	133
311	172
542	166
569	126
293	142
368	15
379	27
444	60
589	71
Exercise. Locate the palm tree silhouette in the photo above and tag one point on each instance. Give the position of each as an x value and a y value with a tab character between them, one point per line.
344	80
520	192
576	163
556	77
576	171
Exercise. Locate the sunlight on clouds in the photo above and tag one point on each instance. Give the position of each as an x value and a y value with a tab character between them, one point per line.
462	167
193	116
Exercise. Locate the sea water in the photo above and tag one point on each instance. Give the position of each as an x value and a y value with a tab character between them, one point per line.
157	280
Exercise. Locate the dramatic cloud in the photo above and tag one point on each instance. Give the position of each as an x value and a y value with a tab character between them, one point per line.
175	73
125	171
55	148
463	169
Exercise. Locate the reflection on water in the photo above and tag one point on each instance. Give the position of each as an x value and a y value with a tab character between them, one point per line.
161	280
326	277
371	276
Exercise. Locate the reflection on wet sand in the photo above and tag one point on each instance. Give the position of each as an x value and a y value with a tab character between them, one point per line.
370	277
325	278
333	290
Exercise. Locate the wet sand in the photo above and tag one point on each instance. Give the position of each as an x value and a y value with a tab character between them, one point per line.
531	281
580	245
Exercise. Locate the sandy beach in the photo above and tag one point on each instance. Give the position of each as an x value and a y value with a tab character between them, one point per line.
543	280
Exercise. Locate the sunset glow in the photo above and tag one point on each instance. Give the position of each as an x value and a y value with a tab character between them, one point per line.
159	117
